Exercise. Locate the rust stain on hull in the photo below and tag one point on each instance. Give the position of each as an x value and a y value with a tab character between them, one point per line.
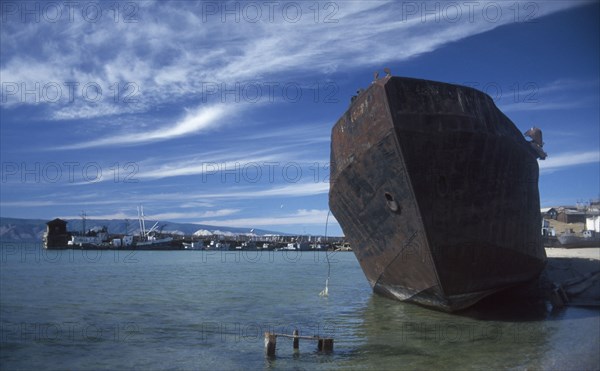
437	192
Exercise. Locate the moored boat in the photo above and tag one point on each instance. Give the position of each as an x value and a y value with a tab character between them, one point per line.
571	240
194	245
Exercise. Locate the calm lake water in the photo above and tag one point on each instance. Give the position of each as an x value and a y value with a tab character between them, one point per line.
209	310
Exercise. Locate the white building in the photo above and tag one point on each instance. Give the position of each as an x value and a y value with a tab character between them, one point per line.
592	223
547	230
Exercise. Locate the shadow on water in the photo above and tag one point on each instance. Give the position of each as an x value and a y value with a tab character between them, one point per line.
518	304
531	301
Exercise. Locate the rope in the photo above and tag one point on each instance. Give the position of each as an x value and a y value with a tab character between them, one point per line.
325	292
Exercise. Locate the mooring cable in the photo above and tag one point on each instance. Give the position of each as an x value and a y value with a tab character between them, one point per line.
325	292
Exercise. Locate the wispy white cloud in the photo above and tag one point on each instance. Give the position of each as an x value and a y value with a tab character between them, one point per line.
299	189
174	48
196	120
270	166
248	193
299	217
538	106
195	204
568	160
186	199
290	190
201	166
561	94
565	84
167	216
172	52
29	203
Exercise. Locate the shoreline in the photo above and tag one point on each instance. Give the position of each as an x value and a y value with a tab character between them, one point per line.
573	276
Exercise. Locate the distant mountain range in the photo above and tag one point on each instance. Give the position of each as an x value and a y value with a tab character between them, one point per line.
13	229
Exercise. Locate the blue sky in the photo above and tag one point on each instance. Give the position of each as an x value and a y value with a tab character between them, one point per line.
221	113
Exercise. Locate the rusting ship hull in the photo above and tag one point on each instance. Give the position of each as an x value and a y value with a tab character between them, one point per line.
437	192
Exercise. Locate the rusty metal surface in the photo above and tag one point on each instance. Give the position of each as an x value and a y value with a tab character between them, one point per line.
436	190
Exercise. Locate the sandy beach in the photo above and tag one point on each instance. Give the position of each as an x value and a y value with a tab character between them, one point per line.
583	253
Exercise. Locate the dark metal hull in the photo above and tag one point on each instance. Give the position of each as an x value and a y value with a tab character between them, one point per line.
436	190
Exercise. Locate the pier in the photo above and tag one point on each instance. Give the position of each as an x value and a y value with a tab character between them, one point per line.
323	344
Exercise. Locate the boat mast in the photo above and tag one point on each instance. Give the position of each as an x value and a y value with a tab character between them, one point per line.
142	222
153	228
83	223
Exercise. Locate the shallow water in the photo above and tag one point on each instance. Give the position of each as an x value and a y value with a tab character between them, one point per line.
209	310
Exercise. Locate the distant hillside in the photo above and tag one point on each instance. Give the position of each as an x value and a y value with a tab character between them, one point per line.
13	229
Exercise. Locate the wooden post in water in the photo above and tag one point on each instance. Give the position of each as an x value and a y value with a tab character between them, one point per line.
296	340
270	344
558	297
325	345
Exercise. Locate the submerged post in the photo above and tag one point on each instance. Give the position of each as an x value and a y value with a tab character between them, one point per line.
325	345
296	340
270	344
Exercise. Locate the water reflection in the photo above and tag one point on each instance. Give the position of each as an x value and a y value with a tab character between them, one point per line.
403	335
499	333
